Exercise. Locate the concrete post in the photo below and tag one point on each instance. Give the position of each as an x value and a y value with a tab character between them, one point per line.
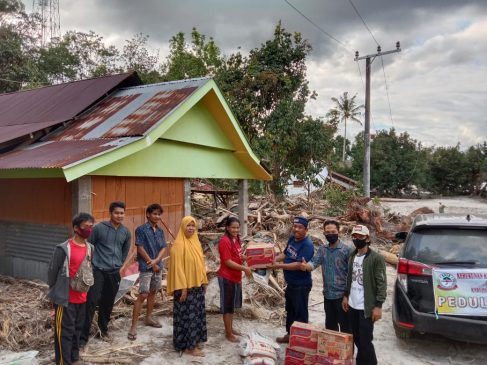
81	195
187	197
243	206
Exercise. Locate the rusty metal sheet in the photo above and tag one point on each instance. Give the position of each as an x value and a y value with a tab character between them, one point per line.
149	113
57	154
107	108
25	112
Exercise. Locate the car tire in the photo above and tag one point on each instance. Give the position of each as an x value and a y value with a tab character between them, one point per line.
402	333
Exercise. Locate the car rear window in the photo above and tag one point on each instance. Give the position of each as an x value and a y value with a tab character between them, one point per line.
431	246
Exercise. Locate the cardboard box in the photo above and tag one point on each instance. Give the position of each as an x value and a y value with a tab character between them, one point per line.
304	337
335	345
323	360
259	255
296	357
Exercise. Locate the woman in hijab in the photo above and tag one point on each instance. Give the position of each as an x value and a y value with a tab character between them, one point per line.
187	280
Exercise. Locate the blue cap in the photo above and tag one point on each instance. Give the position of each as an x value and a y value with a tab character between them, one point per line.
301	220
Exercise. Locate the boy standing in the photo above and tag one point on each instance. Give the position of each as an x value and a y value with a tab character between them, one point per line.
111	240
151	248
69	304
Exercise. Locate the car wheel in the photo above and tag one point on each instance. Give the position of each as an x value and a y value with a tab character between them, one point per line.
402	333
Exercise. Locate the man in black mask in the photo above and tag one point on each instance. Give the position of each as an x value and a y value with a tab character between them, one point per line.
333	259
365	293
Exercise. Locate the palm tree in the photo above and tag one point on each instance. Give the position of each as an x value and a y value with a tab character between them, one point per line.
346	109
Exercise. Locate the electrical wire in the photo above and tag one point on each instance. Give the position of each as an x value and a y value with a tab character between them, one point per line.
317	26
363	21
387	91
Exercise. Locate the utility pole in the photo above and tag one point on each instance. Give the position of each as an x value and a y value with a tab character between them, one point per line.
368	63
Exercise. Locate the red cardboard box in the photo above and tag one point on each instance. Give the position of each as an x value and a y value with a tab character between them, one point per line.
322	360
259	255
296	357
304	337
335	345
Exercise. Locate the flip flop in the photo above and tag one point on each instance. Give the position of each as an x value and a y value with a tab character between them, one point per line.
153	324
132	336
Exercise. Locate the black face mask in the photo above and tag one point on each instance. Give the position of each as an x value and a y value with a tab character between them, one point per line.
359	243
332	237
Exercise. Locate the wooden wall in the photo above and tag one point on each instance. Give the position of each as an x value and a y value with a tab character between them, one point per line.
42	201
138	193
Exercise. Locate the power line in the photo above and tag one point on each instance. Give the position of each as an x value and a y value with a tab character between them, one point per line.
387	91
317	26
363	21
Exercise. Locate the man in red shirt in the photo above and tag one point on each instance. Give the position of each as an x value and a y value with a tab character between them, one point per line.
230	275
69	304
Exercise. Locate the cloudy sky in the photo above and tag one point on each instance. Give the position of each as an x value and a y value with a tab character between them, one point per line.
437	85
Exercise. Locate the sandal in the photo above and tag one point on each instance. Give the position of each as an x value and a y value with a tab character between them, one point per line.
132	336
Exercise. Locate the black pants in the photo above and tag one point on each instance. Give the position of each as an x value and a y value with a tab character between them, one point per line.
101	294
362	330
296	304
335	315
67	328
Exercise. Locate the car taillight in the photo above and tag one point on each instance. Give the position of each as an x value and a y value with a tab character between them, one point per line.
408	267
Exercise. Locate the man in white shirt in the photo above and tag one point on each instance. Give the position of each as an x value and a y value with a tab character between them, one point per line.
365	293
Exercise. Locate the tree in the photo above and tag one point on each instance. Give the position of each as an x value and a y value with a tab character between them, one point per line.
346	108
268	91
136	56
201	58
449	171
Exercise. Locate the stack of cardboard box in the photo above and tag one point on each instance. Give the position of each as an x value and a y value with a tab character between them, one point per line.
313	345
259	255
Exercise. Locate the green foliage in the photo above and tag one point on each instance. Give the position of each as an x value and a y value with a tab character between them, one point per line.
345	108
201	58
338	199
268	91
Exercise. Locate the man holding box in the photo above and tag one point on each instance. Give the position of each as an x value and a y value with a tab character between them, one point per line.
333	259
365	293
299	249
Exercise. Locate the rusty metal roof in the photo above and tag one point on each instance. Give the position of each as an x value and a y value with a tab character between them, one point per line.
25	112
57	154
123	117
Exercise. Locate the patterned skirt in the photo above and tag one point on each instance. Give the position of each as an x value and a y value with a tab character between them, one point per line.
189	319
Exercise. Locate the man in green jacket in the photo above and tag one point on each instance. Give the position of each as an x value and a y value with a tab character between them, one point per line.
365	293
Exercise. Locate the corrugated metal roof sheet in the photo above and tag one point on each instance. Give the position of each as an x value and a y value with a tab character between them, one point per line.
25	112
57	154
121	118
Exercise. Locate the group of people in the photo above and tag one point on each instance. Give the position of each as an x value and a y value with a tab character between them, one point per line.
84	275
354	283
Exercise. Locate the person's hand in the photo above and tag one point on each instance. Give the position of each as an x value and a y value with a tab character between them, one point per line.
184	295
204	288
303	265
248	272
155	268
345	304
244	257
376	314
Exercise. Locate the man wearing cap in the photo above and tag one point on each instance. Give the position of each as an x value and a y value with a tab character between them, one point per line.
299	249
365	293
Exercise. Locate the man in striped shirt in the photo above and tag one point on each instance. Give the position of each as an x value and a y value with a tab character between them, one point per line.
333	259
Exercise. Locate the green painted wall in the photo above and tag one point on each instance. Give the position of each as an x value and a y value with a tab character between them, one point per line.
176	159
199	127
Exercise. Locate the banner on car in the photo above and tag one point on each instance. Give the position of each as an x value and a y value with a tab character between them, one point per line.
460	291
